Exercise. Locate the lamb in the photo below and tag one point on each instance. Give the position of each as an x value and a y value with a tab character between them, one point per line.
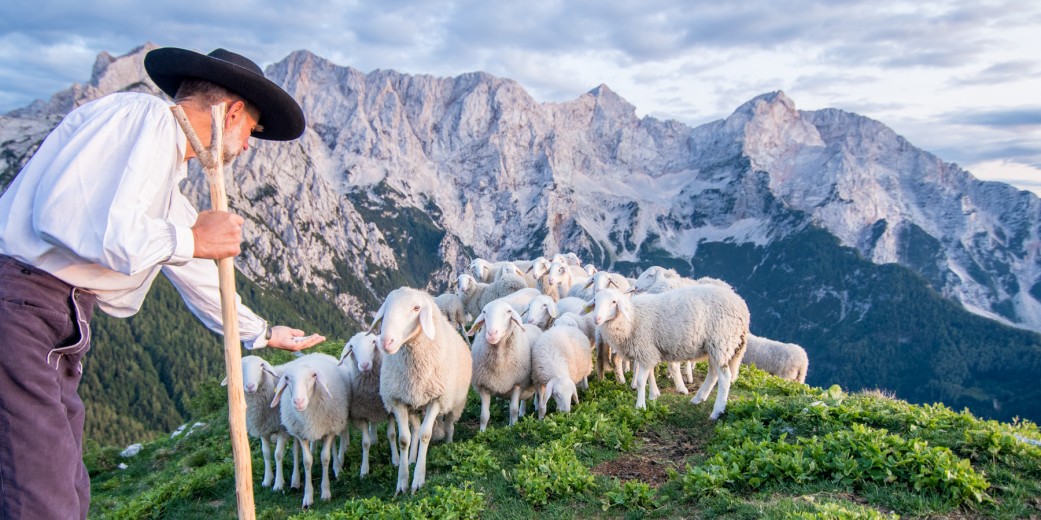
361	355
451	306
569	279
314	408
427	370
263	422
540	271
475	295
677	325
502	358
511	269
542	310
602	280
560	361
486	272
657	279
784	360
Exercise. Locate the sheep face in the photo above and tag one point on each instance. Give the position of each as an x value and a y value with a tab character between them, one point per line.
590	269
539	267
254	369
509	268
648	278
541	309
465	285
301	383
558	273
498	317
564	392
573	259
610	304
404	314
479	268
362	350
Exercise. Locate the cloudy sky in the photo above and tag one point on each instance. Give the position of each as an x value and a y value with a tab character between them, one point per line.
961	79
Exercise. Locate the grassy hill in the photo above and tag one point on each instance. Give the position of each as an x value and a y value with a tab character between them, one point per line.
782	450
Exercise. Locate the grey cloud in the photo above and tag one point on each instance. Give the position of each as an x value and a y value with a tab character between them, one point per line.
1001	118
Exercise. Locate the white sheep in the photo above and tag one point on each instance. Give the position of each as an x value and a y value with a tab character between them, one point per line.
568	279
784	360
475	295
677	325
511	269
427	370
313	398
657	279
364	360
263	422
451	305
486	272
560	362
540	271
502	358
542	309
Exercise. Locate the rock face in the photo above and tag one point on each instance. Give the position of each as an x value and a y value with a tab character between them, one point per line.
394	165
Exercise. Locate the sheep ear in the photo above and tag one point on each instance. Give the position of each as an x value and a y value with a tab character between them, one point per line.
515	316
624	311
269	370
377	321
282	381
588	284
224	382
426	321
321	381
544	396
478	323
553	312
590	305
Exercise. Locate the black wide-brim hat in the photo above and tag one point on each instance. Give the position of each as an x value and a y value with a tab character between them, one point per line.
281	118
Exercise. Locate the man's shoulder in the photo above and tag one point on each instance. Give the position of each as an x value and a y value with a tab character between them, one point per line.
131	99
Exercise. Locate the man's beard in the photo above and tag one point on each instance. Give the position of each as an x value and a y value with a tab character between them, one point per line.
232	142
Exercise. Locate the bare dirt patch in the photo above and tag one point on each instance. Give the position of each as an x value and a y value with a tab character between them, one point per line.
661	450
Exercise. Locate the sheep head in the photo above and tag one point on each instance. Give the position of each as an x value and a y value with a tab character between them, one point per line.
498	318
404	314
610	304
301	381
362	349
541	310
539	267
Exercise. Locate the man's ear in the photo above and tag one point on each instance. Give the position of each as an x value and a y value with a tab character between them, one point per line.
236	111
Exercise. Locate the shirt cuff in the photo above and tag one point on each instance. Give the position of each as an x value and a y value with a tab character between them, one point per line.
260	341
184	245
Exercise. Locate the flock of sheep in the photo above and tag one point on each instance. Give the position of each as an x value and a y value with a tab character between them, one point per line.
535	328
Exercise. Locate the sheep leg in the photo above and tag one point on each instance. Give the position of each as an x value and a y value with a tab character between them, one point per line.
327	454
636	368
265	450
466	338
341	453
515	404
722	393
391	437
280	454
619	368
401	416
641	375
654	392
367	436
486	405
675	372
427	429
413	450
706	385
294	481
688	375
308	486
583	384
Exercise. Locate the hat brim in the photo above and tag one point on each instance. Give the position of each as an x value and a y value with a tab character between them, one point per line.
281	117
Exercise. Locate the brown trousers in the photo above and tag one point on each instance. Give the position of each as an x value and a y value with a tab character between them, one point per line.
44	333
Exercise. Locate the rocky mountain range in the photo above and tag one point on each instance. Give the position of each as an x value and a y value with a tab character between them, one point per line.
400	179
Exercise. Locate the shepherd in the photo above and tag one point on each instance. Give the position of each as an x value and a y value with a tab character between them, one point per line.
93	218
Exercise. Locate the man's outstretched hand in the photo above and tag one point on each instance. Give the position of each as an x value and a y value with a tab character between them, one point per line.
293	340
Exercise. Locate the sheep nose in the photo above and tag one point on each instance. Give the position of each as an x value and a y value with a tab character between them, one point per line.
387	343
299	403
366	366
250	388
597	320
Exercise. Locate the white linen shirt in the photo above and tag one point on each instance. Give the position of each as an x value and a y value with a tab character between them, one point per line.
98	206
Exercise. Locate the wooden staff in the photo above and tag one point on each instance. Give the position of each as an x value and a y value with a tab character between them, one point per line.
213	164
